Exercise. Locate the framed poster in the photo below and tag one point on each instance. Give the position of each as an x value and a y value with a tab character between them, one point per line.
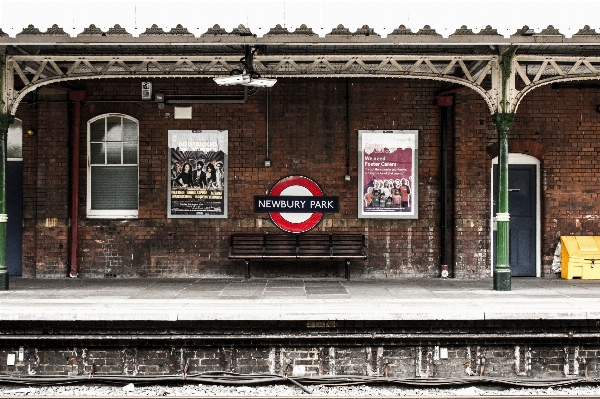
387	175
197	174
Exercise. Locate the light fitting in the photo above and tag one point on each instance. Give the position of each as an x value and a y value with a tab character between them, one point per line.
260	82
245	79
232	80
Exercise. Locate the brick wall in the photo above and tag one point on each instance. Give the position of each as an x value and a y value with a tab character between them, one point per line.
474	131
565	122
46	185
439	361
308	135
528	349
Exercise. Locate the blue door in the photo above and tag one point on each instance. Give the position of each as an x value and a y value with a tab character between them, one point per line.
14	198
522	207
14	207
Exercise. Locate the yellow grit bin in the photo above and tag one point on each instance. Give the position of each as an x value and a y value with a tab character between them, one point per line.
580	257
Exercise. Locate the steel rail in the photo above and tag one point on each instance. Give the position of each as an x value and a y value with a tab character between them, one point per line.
436	396
307	336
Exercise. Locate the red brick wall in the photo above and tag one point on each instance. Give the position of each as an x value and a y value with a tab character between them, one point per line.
566	122
560	128
474	132
46	184
308	135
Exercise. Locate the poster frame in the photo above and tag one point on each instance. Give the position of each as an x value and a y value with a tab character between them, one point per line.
222	145
379	137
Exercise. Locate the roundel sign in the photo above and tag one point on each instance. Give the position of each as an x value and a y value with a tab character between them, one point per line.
296	204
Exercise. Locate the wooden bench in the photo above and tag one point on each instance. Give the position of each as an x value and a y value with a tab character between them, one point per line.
298	247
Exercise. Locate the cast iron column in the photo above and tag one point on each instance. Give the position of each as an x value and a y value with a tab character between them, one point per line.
5	121
502	267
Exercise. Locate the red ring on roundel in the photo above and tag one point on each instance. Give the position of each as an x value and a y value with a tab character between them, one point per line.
286	225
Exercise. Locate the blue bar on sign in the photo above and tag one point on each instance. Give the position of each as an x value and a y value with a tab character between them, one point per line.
296	204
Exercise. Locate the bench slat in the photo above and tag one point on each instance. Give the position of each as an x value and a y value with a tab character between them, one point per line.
314	245
277	245
244	246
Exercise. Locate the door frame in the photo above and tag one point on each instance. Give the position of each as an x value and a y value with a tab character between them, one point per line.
14	200
519	159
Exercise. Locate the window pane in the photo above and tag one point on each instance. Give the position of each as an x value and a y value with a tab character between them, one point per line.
97	130
130	130
114	129
114	142
113	153
114	187
97	153
130	153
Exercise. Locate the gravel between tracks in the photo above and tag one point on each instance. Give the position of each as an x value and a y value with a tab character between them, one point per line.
201	390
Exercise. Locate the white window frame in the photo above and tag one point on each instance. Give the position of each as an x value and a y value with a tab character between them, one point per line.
109	213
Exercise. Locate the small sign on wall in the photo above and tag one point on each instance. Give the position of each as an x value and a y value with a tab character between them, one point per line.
183	113
146	90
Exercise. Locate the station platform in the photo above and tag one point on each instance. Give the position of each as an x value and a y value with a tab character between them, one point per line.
256	299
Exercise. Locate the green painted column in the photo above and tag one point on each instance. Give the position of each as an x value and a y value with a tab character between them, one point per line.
502	267
5	121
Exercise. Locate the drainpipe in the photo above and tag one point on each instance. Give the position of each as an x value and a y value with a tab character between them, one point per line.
209	99
347	177
444	102
76	97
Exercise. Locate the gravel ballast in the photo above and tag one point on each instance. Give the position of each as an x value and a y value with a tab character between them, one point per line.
278	390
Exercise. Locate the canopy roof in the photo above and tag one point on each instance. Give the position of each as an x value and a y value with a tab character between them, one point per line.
475	60
156	41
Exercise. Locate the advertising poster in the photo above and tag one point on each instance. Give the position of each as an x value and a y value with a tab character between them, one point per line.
197	174
387	179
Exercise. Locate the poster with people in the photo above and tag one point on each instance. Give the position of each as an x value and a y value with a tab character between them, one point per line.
197	174
388	168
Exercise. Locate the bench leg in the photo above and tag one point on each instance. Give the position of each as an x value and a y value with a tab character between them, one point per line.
247	262
347	269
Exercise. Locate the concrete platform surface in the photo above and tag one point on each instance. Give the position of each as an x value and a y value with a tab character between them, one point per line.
297	299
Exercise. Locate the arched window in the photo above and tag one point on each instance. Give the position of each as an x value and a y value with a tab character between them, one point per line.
113	172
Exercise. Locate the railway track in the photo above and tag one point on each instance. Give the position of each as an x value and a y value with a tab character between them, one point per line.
439	396
233	385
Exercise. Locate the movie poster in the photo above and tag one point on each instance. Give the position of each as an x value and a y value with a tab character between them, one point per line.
388	168
197	174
